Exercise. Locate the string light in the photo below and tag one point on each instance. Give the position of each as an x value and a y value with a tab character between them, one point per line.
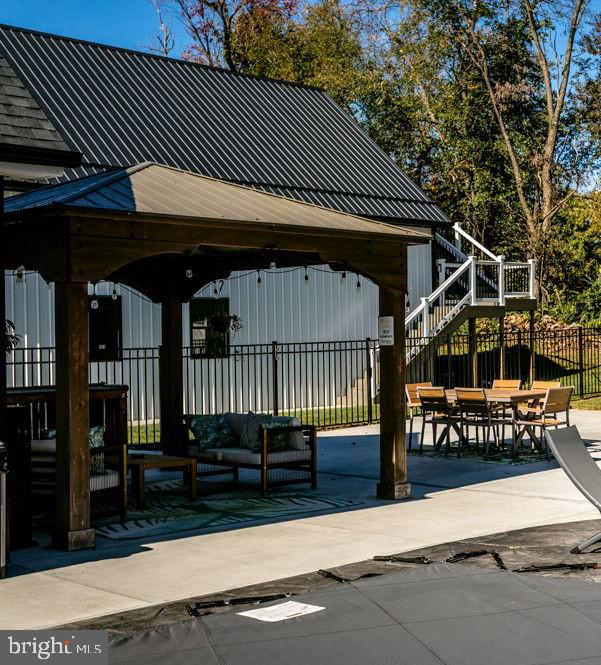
272	265
215	292
343	278
306	277
114	296
358	282
20	275
259	280
189	273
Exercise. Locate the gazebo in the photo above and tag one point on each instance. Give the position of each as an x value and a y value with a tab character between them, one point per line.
168	232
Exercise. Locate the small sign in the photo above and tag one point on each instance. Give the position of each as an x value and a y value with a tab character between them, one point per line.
386	330
281	612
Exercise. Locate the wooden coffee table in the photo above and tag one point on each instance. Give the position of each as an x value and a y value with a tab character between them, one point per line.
140	463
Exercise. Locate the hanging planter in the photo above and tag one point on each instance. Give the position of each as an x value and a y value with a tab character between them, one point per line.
10	339
223	323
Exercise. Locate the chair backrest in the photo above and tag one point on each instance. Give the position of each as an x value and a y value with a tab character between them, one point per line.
510	384
472	401
433	399
411	391
545	385
558	400
571	453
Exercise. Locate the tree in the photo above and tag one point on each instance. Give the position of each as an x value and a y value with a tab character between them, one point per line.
544	165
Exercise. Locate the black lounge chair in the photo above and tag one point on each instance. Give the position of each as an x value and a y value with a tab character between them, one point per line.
569	450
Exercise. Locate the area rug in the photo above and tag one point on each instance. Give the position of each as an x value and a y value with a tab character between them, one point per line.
168	511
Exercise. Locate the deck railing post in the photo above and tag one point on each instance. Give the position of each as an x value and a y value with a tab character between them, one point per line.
274	373
501	280
472	278
531	277
425	318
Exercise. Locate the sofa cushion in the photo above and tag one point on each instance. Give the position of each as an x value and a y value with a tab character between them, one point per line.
211	431
245	456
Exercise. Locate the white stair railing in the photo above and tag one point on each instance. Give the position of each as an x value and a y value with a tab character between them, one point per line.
473	282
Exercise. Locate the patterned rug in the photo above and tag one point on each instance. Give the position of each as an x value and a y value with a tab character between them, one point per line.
167	510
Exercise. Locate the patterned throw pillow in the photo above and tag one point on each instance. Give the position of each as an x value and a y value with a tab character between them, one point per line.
277	441
95	439
211	431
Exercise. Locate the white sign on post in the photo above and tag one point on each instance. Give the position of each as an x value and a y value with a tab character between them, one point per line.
386	330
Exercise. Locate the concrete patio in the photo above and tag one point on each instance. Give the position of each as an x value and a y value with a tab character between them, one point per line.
452	499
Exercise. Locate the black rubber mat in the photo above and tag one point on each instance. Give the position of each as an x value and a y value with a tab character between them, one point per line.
434	614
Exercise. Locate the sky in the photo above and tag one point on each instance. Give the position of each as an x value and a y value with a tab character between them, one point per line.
125	23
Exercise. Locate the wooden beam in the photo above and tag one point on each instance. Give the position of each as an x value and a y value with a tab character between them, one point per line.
171	379
473	350
393	453
2	318
72	417
502	354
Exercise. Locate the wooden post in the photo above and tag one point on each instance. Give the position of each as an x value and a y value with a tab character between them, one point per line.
393	454
502	347
532	367
72	417
2	318
473	346
171	378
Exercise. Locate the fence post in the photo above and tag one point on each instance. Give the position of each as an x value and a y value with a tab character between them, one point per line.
501	346
532	368
274	373
581	359
370	372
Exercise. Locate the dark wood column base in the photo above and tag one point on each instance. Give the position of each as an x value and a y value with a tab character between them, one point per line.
75	540
394	492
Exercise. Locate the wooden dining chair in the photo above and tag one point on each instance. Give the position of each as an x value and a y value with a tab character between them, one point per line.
508	384
413	403
556	403
476	411
436	410
545	385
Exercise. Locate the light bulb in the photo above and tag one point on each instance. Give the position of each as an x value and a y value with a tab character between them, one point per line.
189	273
259	278
306	277
94	304
358	282
343	278
272	265
114	296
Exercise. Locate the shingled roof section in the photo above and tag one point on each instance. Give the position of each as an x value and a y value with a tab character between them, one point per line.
24	127
121	107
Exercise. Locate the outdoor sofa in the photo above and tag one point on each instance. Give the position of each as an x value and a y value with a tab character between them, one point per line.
281	448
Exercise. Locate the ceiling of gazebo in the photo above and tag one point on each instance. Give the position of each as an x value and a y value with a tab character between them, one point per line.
148	225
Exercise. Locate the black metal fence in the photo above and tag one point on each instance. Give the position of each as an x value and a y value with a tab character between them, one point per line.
326	383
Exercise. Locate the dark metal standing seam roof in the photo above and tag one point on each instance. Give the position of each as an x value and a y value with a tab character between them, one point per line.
121	107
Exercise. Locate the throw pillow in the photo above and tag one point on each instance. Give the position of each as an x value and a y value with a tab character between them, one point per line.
212	431
281	441
95	440
236	422
296	440
251	431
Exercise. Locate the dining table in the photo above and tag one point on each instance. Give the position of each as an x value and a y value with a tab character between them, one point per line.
510	397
